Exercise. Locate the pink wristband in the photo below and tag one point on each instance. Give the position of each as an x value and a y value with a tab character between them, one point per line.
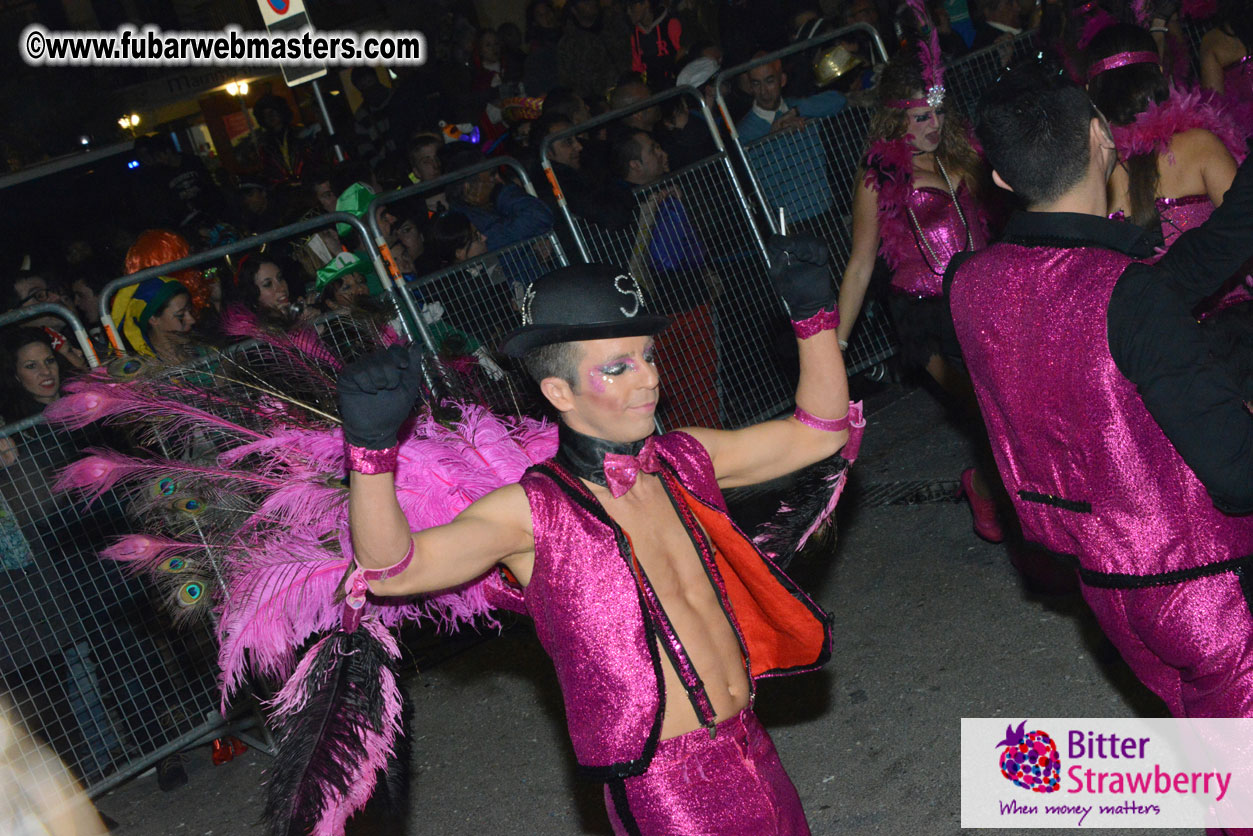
821	321
356	587
369	462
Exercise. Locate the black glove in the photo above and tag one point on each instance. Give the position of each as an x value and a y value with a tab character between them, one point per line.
798	269
376	395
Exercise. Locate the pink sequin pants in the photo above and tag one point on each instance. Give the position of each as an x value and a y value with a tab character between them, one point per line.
1191	643
730	785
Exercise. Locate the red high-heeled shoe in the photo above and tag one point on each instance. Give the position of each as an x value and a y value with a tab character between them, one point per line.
983	510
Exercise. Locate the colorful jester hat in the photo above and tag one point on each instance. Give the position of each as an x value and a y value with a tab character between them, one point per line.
932	62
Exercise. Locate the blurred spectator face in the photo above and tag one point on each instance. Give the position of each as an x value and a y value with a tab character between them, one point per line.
86	300
489	48
478	189
34	290
566	151
632	93
347	290
766	83
325	196
581	111
638	12
544	15
38	373
653	161
862	11
271	120
424	160
387	223
410	237
256	200
272	292
476	247
586	13
176	320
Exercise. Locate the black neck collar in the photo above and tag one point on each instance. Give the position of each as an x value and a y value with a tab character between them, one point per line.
584	455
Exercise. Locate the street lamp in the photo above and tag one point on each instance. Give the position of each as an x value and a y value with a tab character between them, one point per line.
240	89
129	123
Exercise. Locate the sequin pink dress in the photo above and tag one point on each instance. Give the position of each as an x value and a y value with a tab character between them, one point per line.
918	265
1238	94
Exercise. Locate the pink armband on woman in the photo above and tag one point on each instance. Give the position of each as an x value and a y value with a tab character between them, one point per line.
821	321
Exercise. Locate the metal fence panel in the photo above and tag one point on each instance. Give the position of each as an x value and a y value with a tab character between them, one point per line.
966	78
814	173
90	665
724	356
811	173
692	242
466	310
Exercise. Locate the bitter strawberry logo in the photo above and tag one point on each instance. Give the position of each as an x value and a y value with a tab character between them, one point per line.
1030	759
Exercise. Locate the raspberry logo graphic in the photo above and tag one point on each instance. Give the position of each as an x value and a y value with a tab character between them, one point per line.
1030	759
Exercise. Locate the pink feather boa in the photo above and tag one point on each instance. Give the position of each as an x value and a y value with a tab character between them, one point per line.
1183	110
890	172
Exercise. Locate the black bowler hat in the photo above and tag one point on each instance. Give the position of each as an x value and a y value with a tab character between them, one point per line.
584	302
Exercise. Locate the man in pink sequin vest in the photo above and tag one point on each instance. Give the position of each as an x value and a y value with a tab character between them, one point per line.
1122	443
658	613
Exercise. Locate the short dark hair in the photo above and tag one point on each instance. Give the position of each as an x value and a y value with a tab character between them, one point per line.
561	101
554	360
547	124
626	149
1033	123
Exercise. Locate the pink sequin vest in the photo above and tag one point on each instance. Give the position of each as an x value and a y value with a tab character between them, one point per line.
1090	472
919	271
589	612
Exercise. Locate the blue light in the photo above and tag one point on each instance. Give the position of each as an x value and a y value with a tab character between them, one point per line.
133	164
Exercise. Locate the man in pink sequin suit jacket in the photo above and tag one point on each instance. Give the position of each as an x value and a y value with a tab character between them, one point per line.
658	613
1123	444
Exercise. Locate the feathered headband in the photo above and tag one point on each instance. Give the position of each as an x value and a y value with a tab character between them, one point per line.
932	62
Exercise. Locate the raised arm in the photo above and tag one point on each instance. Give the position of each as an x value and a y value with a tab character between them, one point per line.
861	261
376	395
798	268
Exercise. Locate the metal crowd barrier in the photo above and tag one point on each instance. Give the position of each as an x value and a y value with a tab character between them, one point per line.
88	663
966	78
693	244
812	175
463	310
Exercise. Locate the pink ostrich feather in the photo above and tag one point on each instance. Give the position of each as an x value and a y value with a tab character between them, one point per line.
299	345
1199	9
928	46
284	592
1183	110
1095	25
1140	12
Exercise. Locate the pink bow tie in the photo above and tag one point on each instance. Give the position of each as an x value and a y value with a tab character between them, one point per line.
621	470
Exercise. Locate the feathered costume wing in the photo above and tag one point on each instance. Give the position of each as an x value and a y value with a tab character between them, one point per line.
239	481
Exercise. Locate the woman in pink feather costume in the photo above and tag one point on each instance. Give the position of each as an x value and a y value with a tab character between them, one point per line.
1175	148
917	204
1227	62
